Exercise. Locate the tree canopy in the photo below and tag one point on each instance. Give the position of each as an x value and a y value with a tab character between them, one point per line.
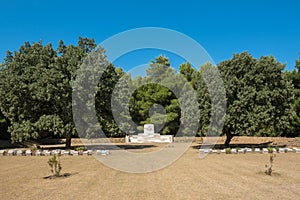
259	96
36	95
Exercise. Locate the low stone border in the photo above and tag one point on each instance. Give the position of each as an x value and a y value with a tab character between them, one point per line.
249	150
16	152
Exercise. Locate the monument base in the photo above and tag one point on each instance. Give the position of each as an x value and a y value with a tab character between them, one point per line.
149	136
145	138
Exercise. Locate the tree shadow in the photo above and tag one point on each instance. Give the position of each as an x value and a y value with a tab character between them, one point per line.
64	175
237	145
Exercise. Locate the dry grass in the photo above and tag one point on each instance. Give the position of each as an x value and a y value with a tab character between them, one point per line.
214	177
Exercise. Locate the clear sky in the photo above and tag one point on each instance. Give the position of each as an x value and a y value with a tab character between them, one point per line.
224	27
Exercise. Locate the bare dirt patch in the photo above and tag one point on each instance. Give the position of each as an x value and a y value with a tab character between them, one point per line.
239	176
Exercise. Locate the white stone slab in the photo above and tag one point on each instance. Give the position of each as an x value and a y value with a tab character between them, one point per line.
149	129
2	152
257	150
46	153
74	153
214	151
37	152
90	152
28	152
55	152
241	150
281	150
248	150
103	152
19	153
10	152
265	150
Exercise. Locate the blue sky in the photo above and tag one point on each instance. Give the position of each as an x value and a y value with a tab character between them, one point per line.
221	27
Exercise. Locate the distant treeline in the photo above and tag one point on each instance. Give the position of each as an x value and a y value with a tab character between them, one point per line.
36	85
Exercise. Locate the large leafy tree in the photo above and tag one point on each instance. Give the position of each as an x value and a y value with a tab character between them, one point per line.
294	76
259	96
36	89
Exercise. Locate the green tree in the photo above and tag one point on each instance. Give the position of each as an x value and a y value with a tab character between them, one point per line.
211	98
36	89
259	96
294	76
154	100
188	72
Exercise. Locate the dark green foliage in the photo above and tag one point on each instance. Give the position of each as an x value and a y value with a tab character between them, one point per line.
212	100
259	96
154	100
37	86
294	76
36	89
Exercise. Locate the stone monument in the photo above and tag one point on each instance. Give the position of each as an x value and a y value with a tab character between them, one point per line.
149	136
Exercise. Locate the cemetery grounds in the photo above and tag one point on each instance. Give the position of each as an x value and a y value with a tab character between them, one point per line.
217	176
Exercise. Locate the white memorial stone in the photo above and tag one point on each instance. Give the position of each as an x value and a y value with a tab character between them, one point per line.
28	152
241	150
297	150
265	150
19	153
149	129
10	152
233	151
74	153
281	150
257	150
37	152
46	153
149	136
214	151
248	150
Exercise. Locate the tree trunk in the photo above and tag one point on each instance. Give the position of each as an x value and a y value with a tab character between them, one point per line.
228	139
68	142
229	136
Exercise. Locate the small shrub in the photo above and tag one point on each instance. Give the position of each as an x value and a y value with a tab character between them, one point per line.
269	169
33	148
285	150
23	152
54	164
5	152
228	150
253	149
277	149
270	150
80	148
